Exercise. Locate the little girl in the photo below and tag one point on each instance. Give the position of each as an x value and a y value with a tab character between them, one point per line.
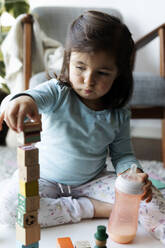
83	118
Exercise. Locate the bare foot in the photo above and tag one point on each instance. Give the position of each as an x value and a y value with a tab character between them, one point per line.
101	209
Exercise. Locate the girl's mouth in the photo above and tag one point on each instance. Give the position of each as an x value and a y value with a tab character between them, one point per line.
88	91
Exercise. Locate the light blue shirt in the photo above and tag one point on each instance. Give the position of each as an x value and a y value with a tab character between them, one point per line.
75	138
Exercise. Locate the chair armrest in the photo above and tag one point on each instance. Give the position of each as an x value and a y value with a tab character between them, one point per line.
27	23
159	31
148	37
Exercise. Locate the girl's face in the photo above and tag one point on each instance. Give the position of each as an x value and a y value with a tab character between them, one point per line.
91	75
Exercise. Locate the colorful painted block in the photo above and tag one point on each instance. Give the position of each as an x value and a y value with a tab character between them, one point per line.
27	220
28	204
31	126
28	236
28	174
64	243
82	244
29	188
20	245
27	155
32	137
28	138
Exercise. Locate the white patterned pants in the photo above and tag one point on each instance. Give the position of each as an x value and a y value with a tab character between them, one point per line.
61	204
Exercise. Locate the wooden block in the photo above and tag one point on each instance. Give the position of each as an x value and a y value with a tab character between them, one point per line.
28	204
32	137
29	188
27	220
64	243
28	138
27	155
31	126
28	236
28	174
20	245
82	244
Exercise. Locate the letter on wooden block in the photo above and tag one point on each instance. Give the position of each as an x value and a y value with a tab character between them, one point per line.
20	245
28	236
64	242
27	220
28	204
30	173
29	188
27	155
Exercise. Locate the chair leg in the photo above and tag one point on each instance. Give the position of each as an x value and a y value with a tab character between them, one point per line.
163	142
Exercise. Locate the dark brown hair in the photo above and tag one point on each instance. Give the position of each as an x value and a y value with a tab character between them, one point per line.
94	31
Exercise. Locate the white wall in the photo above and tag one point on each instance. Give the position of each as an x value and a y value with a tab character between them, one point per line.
141	16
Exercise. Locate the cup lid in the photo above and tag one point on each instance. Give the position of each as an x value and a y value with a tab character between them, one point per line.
129	182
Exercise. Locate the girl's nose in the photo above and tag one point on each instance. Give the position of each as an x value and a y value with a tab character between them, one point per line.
89	79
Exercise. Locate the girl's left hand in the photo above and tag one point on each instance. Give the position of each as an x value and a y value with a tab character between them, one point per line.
147	188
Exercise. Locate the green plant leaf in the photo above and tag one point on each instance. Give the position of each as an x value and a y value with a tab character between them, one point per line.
5	88
17	7
2	69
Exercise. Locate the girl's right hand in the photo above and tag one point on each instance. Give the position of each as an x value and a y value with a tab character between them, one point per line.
16	110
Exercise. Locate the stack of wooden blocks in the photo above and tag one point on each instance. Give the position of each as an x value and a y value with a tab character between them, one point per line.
27	227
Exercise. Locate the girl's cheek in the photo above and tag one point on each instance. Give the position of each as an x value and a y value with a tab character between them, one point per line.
105	87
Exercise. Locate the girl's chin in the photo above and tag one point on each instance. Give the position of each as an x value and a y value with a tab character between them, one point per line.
89	97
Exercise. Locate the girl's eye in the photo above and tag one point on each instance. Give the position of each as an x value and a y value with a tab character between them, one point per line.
80	68
102	73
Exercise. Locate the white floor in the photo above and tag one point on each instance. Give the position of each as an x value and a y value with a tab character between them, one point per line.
81	231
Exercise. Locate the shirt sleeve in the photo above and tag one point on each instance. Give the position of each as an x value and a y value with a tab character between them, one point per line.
5	101
46	95
121	150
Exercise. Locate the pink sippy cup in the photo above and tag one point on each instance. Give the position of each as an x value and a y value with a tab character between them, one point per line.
123	220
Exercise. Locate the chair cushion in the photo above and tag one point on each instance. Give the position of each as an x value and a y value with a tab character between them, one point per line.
37	79
54	20
149	90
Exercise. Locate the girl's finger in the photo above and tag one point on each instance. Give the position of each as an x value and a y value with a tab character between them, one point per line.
20	120
8	122
147	186
1	120
147	194
144	177
34	116
12	118
149	199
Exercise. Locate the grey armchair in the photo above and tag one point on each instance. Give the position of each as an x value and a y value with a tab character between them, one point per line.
148	99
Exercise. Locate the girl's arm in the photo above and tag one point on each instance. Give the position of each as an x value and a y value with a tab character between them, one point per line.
46	95
41	99
122	156
121	150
